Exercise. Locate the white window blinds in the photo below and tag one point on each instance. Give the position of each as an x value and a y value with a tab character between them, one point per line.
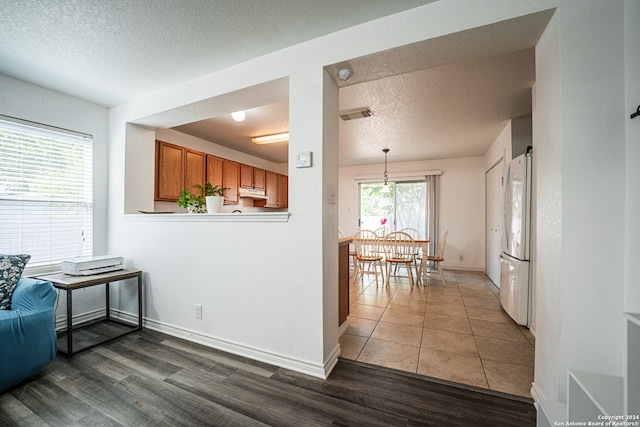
46	200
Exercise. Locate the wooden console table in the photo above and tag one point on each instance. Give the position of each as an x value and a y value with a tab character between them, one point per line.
99	332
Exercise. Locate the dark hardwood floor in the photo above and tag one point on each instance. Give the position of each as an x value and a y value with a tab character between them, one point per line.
151	379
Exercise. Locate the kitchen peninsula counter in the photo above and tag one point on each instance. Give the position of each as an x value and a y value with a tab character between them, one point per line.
343	278
216	217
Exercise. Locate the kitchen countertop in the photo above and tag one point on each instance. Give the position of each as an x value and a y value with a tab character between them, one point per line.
344	241
206	217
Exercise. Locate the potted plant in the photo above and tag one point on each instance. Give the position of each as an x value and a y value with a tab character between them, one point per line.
208	198
194	203
213	195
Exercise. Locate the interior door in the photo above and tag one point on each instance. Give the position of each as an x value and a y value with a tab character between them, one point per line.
493	180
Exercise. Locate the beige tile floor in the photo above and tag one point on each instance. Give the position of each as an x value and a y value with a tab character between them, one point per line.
458	333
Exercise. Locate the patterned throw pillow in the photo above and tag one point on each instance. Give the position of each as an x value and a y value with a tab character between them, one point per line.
11	267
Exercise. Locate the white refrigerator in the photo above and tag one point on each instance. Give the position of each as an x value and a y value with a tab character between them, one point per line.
515	274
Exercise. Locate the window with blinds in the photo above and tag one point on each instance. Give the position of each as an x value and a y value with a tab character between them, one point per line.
46	200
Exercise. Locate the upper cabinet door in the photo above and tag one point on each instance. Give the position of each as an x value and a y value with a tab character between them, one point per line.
231	180
271	191
195	166
283	191
246	176
169	171
259	178
214	170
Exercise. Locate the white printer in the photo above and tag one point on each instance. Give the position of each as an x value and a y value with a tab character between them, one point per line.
86	266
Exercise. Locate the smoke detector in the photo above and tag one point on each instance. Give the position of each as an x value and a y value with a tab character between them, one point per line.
345	74
356	113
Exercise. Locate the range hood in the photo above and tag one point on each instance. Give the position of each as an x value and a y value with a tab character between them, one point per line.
252	193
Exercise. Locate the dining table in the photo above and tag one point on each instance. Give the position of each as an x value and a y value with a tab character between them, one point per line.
422	244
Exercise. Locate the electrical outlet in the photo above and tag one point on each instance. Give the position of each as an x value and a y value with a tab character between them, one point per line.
461	258
198	311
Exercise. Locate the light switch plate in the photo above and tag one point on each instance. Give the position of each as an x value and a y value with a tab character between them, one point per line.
303	159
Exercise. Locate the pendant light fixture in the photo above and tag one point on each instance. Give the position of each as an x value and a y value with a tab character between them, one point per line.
385	187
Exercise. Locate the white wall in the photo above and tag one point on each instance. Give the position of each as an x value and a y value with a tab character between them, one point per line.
274	291
461	204
580	160
500	150
35	103
632	83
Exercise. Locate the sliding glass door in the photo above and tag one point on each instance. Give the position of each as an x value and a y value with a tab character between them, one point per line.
404	207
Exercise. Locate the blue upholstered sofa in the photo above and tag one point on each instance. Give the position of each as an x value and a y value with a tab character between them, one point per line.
27	332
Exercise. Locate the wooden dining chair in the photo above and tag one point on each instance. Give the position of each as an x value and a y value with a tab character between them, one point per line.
415	234
400	249
436	259
368	255
383	231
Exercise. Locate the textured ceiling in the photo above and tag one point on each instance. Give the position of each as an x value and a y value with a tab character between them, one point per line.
456	110
110	51
445	97
442	98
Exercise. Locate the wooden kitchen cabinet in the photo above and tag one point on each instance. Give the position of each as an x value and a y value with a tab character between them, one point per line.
271	191
169	176
283	191
177	168
276	190
231	180
343	279
251	177
194	170
258	178
246	176
214	170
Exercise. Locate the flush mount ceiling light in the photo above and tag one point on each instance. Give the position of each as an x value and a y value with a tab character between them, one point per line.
385	187
270	139
239	116
356	113
345	73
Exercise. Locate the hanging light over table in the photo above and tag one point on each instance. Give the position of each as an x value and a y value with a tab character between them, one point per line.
385	187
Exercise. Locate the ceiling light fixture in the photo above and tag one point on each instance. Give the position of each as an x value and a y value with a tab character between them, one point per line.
239	116
345	73
270	139
385	187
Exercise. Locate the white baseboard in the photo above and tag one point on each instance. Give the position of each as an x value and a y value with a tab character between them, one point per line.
343	328
536	393
331	361
462	268
297	365
92	316
79	319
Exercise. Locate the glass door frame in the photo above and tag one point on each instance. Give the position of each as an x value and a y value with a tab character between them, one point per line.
390	218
